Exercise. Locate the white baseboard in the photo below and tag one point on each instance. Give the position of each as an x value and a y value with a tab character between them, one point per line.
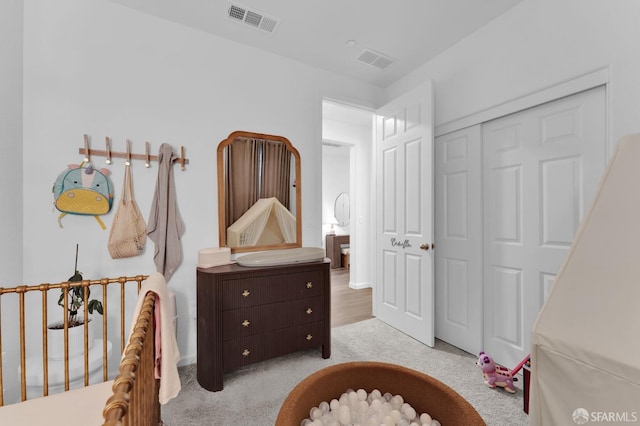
358	286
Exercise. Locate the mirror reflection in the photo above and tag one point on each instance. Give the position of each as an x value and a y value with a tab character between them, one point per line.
258	192
341	209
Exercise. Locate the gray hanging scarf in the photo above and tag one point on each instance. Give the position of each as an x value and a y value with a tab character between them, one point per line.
165	227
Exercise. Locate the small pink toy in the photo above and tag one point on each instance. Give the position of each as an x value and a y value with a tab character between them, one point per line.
495	375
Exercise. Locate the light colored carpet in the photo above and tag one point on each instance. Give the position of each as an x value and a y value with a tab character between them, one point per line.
253	395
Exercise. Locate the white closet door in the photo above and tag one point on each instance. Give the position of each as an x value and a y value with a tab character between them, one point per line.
541	168
458	233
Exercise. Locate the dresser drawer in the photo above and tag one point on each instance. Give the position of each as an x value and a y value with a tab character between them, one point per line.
240	352
245	321
242	293
247	350
304	284
258	319
302	311
292	339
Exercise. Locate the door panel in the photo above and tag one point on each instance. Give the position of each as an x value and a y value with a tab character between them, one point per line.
404	144
390	279
458	232
413	189
541	169
389	196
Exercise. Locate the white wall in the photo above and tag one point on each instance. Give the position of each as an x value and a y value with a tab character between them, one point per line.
11	170
106	70
335	180
11	140
535	45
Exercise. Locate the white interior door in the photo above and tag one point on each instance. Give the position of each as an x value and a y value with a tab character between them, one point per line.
458	235
541	169
404	293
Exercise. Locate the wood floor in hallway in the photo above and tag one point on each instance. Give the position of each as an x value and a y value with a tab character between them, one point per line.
348	305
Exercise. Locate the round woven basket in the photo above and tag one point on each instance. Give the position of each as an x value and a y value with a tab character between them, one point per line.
423	392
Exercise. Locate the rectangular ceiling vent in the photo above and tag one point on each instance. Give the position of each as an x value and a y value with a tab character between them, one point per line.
252	18
375	59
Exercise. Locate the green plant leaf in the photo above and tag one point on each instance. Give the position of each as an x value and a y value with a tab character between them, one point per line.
76	277
95	305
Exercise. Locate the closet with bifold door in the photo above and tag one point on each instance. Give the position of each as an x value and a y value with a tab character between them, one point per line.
509	195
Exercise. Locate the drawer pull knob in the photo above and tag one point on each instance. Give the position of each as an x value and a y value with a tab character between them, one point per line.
246	323
246	293
309	337
246	352
309	284
309	311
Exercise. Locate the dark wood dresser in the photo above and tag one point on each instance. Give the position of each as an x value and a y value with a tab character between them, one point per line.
333	246
247	315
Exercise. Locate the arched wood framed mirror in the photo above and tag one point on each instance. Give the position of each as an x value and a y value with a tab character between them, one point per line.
259	202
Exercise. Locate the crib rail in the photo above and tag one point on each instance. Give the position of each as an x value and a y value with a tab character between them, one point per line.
135	389
45	289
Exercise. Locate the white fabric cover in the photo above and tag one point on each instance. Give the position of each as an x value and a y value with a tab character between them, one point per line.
266	222
586	339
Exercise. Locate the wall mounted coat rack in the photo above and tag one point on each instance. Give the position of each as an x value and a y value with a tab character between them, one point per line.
147	157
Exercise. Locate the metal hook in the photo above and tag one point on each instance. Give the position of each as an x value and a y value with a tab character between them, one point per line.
108	143
87	155
147	156
128	162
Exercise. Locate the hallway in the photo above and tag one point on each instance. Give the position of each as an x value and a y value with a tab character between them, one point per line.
348	305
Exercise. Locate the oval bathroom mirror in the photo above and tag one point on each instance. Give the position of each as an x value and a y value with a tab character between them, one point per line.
259	206
341	209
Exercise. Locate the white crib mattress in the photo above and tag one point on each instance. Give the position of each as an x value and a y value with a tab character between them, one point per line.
79	407
282	257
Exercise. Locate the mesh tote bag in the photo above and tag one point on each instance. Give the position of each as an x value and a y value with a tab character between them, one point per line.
128	233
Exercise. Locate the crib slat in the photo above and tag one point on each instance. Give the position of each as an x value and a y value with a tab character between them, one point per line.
23	362
105	315
122	317
1	360
65	318
45	344
85	300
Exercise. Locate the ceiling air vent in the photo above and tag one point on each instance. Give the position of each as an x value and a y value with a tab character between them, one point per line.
375	59
252	18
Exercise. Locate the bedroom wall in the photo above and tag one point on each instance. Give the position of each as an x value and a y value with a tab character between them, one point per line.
11	139
11	144
106	70
335	180
535	45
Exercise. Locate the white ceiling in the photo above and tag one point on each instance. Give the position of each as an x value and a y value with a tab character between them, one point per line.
315	32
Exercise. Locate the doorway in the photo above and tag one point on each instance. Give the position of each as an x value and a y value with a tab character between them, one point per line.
347	134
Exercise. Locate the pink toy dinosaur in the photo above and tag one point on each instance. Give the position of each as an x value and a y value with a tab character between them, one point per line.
495	375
